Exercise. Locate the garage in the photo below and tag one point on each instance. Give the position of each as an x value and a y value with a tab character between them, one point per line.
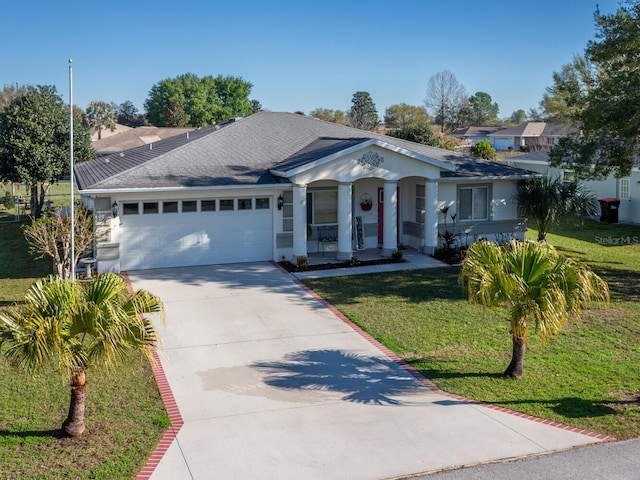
176	233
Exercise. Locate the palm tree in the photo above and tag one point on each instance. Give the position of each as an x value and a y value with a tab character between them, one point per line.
547	201
539	287
76	326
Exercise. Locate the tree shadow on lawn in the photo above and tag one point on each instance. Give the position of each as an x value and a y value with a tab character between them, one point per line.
570	407
55	433
624	285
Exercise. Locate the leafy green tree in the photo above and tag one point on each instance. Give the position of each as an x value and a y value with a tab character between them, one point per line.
175	115
517	117
127	114
101	115
535	115
76	326
403	115
363	113
416	133
330	115
538	287
256	106
446	97
205	101
447	142
34	142
565	101
482	111
547	201
11	92
607	104
484	149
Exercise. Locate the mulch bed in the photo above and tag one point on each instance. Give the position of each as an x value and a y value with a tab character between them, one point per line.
291	268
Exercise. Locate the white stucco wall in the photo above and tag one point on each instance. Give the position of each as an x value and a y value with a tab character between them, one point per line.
609	187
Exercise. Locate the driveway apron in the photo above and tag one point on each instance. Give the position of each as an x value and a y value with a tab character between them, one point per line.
272	384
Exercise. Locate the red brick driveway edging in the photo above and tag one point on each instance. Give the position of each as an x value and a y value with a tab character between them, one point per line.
170	405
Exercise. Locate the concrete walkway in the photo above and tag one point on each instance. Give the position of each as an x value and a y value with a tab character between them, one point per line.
272	384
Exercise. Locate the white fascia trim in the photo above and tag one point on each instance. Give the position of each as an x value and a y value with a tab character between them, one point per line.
116	191
361	146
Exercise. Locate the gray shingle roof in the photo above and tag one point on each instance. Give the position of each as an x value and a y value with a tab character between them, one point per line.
244	152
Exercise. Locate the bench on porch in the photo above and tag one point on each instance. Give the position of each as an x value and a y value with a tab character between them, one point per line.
327	234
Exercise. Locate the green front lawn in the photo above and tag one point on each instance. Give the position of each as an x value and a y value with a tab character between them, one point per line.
587	377
125	416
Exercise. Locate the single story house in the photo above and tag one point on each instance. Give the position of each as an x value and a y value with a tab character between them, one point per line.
276	186
125	138
475	134
626	189
528	136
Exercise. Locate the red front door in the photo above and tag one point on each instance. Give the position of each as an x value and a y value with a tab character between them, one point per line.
381	215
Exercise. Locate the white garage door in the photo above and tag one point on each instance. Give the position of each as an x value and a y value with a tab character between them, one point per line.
151	239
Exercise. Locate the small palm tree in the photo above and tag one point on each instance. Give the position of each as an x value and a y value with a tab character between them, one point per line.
76	326
547	201
539	287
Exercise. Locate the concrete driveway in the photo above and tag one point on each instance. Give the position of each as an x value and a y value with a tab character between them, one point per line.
271	384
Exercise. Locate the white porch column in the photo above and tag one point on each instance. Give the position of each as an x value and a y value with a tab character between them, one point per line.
299	221
430	216
390	206
345	222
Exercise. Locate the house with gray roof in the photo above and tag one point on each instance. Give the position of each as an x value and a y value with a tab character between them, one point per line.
528	136
276	186
126	138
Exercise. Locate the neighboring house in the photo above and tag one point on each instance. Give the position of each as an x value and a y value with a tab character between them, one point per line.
276	186
529	136
126	138
475	134
627	189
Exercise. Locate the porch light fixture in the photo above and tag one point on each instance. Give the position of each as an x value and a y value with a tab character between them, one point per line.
280	202
114	209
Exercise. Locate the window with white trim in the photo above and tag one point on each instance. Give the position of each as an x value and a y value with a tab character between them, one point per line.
245	204
473	203
322	207
208	205
419	203
287	211
150	208
131	208
189	206
624	188
262	203
226	204
170	207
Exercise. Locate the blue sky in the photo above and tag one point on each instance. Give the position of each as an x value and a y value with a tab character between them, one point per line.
299	55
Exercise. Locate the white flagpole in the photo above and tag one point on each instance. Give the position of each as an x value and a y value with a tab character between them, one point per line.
72	181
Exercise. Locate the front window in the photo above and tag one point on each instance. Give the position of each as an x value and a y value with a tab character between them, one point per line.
419	203
625	193
473	203
322	207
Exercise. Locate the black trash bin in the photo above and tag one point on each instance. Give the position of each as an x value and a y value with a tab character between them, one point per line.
609	209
